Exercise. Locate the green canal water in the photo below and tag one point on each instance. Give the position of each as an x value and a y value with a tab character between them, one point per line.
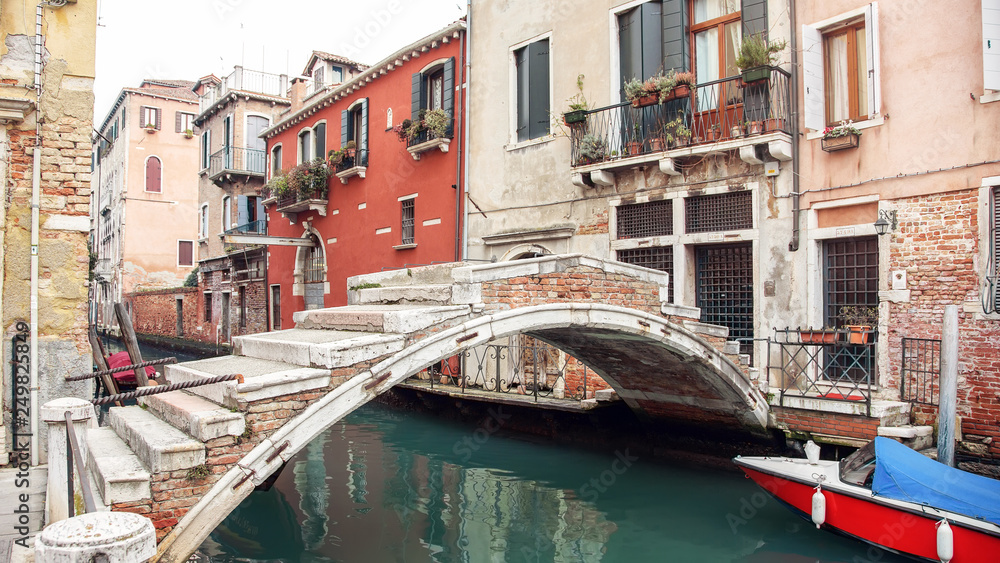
390	486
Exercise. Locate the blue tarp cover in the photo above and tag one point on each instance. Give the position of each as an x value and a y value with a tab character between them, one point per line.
903	474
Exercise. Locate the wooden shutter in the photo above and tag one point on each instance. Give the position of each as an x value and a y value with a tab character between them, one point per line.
185	253
153	168
812	83
538	91
874	70
629	47
991	44
652	38
242	210
363	141
640	43
319	140
261	212
345	127
753	15
177	121
158	113
142	116
676	46
448	101
416	95
521	64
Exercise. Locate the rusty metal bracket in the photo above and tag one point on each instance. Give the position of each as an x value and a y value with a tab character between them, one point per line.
466	337
277	452
377	380
244	479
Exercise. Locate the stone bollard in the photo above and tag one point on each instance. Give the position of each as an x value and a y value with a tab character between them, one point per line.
121	537
53	413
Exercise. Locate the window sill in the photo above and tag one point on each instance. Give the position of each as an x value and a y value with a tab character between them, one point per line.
203	240
991	96
880	120
529	143
404	246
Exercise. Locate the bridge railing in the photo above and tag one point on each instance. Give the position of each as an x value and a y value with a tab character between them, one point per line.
526	369
74	458
832	365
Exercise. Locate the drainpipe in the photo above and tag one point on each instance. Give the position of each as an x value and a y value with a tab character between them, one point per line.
36	182
796	203
465	137
461	154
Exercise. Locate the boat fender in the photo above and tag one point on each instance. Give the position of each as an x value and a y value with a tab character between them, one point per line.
945	541
818	507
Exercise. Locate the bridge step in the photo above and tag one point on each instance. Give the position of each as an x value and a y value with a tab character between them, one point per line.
402	295
118	473
318	347
263	379
399	319
196	415
160	446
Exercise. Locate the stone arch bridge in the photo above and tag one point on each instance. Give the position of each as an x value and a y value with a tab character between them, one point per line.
188	458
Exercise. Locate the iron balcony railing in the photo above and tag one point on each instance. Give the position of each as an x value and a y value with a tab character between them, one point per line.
360	158
237	159
716	111
248	81
832	365
425	136
253	228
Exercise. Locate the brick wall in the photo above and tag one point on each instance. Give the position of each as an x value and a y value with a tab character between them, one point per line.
937	244
582	284
831	424
155	312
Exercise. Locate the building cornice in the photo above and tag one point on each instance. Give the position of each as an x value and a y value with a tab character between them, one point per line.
232	95
14	109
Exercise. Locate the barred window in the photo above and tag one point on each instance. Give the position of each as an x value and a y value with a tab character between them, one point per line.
720	212
651	219
658	258
408	218
314	263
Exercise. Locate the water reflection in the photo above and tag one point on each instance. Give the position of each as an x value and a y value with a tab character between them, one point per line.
385	486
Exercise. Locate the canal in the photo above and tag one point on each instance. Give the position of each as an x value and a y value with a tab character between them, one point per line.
386	485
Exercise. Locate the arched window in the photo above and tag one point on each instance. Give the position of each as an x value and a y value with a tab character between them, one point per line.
154	170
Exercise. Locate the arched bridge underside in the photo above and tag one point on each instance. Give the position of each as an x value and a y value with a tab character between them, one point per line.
659	367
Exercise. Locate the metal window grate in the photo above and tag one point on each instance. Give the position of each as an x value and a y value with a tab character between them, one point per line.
657	257
651	219
851	276
407	223
921	370
993	263
719	212
725	290
314	264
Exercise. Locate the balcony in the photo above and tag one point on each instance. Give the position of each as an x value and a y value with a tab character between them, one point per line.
275	85
717	116
103	268
240	163
424	142
251	228
352	166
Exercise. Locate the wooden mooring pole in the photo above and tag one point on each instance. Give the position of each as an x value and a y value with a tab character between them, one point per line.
947	414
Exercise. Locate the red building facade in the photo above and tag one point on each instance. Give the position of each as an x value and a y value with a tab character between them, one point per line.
390	201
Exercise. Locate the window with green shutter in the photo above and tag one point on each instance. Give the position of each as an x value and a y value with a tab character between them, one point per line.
531	64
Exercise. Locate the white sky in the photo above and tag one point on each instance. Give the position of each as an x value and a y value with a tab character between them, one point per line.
188	39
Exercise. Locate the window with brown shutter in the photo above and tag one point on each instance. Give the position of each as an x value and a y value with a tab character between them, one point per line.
153	174
185	253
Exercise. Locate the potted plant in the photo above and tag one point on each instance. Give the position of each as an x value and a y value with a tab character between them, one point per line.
335	157
188	133
752	127
151	128
642	93
683	82
592	149
840	137
816	336
859	321
350	149
635	143
756	57
436	121
309	180
677	132
402	130
578	106
277	186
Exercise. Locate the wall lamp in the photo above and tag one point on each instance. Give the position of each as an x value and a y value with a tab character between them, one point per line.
886	221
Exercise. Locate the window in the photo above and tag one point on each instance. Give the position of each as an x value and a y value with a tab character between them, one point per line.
149	115
640	44
319	140
720	212
840	61
724	290
242	298
185	253
206	154
305	146
655	257
275	160
336	75
434	88
318	78
208	306
655	218
250	214
154	174
531	100
716	33
315	266
991	287
183	121
407	208
203	221
354	127
850	279
226	212
275	307
991	42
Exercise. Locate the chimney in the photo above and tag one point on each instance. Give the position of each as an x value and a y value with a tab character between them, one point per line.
297	92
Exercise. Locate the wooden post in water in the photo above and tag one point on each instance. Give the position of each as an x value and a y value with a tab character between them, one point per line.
131	344
947	411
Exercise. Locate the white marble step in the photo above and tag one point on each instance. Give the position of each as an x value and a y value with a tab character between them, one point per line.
388	319
317	347
196	415
116	470
160	446
263	379
402	295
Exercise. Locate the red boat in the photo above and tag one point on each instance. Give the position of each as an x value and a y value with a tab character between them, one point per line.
891	497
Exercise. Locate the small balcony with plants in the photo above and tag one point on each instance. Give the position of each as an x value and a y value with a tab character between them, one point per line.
670	117
348	161
431	130
236	164
304	188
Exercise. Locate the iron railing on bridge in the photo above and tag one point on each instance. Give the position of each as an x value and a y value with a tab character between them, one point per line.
920	371
526	369
716	111
831	365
